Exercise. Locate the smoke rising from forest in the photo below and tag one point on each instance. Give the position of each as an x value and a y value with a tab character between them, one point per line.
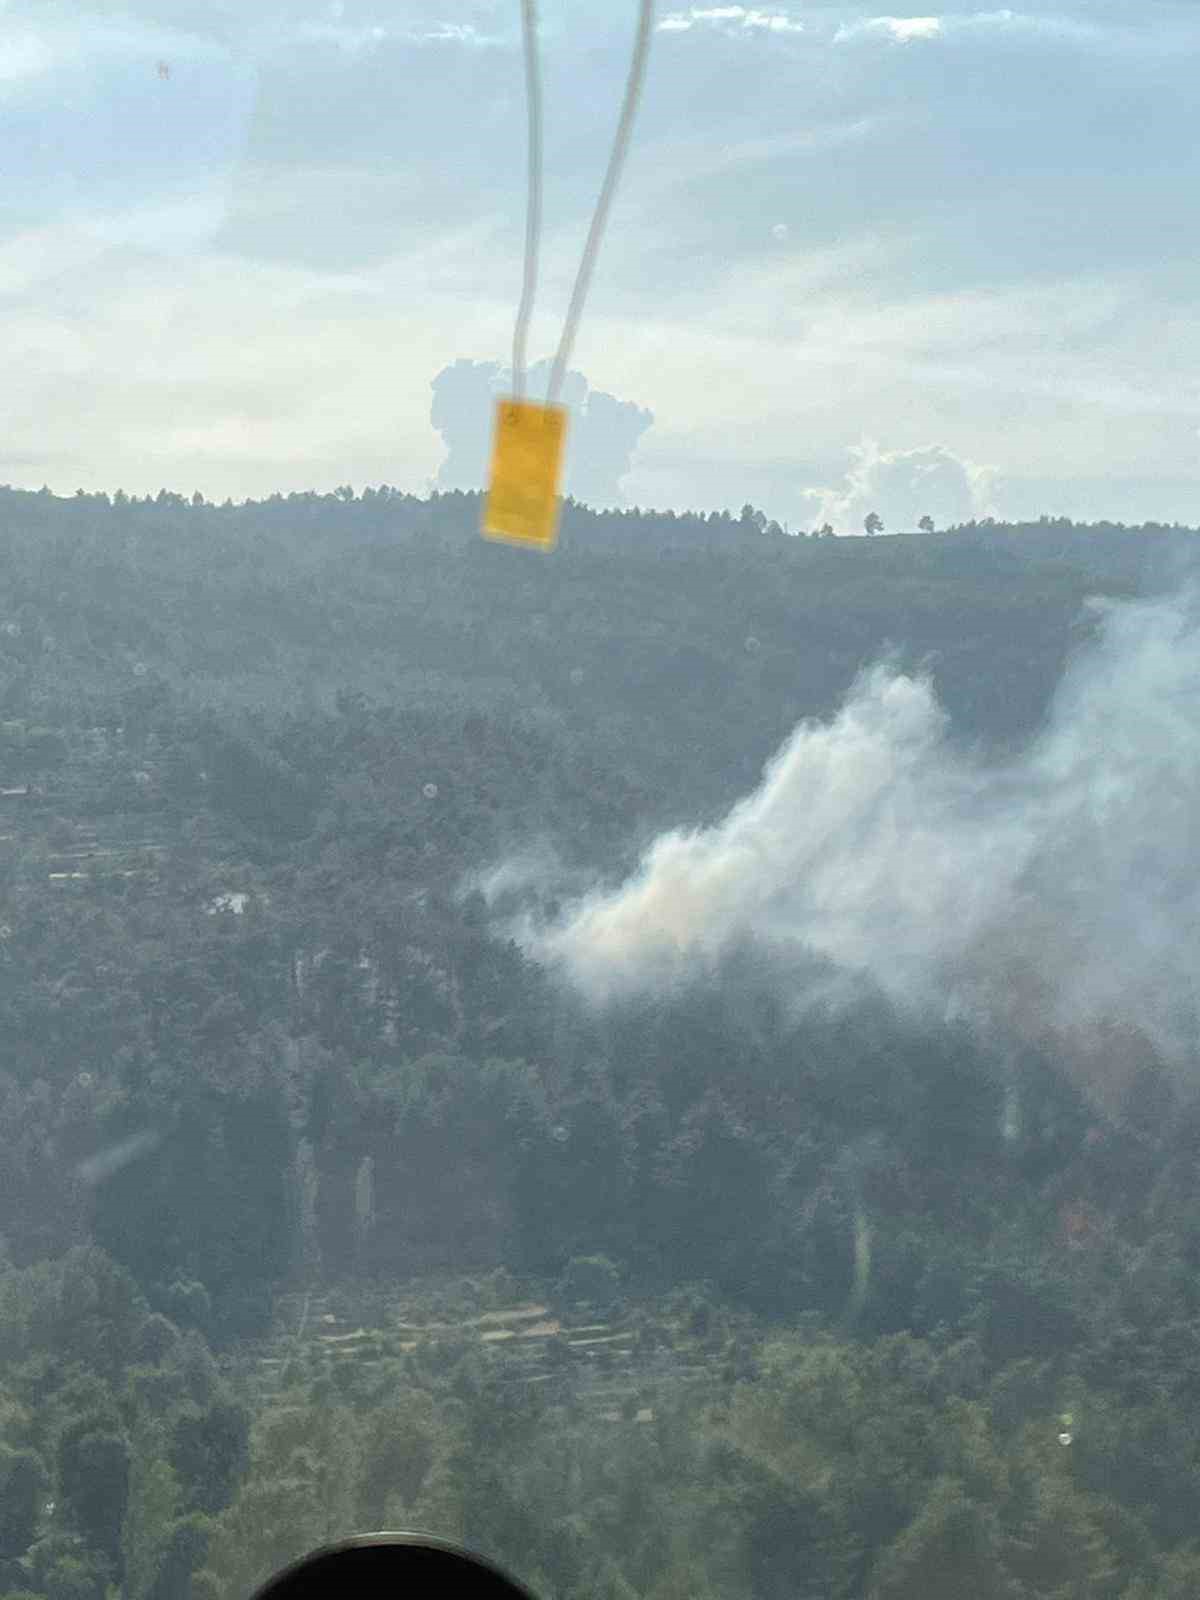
1053	899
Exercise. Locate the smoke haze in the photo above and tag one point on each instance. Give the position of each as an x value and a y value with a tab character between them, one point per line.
1053	900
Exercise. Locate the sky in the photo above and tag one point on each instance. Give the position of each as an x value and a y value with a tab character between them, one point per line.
919	264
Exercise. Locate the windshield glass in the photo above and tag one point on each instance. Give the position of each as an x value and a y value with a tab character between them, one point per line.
671	1058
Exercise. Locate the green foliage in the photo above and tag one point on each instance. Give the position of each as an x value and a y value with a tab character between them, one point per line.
1180	1576
951	1548
183	1554
22	1490
209	1450
274	1039
398	1452
592	1282
93	1477
157	1340
190	1303
63	1568
151	1513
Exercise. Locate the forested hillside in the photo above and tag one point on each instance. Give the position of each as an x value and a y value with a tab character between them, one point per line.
812	1314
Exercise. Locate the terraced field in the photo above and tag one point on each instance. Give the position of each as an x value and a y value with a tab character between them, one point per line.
614	1364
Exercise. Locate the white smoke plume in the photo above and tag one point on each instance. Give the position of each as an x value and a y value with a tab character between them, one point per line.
528	875
1055	898
107	1163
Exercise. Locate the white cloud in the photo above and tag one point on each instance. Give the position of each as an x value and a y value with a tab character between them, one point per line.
977	316
351	40
355	40
697	155
215	389
456	32
169	226
905	28
24	55
730	18
772	21
59	40
604	437
903	486
1110	34
902	29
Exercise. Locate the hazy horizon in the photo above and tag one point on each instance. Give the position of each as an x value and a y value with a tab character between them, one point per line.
938	258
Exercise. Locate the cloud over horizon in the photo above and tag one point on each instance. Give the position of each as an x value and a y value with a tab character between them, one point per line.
960	229
904	30
601	441
730	17
909	484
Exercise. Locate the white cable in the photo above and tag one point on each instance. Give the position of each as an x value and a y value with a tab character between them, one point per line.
633	91
533	214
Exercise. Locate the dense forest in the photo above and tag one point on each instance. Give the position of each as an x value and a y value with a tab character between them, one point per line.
324	1206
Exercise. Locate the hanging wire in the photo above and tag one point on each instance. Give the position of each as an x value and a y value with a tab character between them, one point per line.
533	212
633	92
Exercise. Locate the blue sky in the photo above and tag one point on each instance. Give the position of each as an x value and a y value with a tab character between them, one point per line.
938	261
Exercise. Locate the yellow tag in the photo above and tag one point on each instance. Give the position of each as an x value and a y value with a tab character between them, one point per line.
522	505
